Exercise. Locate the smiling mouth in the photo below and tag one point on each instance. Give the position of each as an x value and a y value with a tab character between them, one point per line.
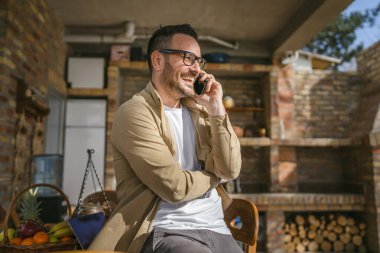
189	79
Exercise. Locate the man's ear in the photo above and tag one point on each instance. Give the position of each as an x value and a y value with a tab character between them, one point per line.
157	61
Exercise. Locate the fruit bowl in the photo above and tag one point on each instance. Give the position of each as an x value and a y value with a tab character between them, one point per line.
32	236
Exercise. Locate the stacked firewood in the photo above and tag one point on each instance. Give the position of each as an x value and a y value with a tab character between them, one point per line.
324	233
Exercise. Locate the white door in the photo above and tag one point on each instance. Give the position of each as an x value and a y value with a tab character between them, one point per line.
85	129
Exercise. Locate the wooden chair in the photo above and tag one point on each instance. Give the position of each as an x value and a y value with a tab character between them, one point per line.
242	218
2	216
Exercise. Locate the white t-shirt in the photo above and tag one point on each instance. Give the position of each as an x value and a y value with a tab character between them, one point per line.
205	212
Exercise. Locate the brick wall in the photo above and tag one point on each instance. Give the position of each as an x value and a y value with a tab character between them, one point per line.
325	103
320	170
367	153
320	104
32	50
254	174
368	117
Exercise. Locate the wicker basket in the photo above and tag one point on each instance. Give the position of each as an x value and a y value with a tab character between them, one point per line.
6	247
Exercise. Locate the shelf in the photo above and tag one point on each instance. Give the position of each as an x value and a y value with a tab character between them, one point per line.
245	109
305	201
313	142
213	67
307	142
87	92
135	65
259	141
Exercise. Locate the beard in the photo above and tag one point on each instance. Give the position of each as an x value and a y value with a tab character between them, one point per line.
174	84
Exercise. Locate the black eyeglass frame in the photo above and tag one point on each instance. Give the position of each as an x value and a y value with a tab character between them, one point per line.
201	61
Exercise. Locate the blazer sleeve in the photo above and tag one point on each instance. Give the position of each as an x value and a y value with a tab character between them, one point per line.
135	134
225	158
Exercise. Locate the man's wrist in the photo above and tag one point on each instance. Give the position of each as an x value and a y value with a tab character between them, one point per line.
216	109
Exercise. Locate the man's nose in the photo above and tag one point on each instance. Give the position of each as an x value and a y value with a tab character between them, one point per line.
195	67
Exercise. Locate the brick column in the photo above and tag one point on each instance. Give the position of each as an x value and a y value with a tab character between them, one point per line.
275	233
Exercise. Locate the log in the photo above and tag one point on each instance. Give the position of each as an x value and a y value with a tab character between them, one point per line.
350	221
322	224
330	227
302	233
318	238
290	247
293	232
338	229
300	247
313	246
362	226
345	238
357	240
325	233
300	220
326	246
287	238
296	240
311	234
342	220
331	236
350	247
311	218
305	242
338	246
354	230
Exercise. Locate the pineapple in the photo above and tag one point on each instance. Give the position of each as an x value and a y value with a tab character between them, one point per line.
29	213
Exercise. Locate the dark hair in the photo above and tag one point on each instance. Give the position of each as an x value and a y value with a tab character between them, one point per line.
162	37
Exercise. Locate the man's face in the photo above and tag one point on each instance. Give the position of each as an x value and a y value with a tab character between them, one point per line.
178	77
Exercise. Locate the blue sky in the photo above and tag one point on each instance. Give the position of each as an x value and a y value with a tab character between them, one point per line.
367	35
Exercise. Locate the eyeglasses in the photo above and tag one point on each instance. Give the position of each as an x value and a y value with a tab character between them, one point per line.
188	57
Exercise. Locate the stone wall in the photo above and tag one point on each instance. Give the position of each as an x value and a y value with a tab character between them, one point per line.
32	51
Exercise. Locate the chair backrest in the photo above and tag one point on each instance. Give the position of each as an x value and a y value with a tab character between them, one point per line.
2	217
242	218
98	197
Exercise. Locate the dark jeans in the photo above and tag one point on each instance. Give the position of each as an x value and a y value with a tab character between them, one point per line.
189	241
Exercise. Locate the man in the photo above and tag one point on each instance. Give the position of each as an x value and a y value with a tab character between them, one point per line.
171	150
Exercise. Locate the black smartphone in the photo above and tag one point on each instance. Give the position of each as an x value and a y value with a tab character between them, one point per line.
199	87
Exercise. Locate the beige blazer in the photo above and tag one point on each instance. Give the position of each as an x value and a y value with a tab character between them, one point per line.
146	171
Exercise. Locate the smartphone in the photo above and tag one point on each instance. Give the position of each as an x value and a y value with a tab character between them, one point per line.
199	87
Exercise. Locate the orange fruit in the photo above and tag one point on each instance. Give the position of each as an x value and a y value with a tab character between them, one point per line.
16	241
27	241
66	238
41	237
